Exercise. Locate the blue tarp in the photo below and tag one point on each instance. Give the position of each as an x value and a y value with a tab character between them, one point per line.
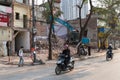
102	29
85	40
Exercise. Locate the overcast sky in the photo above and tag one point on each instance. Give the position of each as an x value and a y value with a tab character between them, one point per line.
38	1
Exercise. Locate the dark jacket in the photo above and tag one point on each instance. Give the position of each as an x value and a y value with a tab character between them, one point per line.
110	48
66	52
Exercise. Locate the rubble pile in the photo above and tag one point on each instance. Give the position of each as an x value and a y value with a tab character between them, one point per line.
57	47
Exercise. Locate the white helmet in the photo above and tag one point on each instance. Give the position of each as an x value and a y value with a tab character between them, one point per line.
110	44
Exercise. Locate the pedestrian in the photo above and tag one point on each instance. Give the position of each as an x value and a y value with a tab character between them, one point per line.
8	51
89	50
21	61
33	54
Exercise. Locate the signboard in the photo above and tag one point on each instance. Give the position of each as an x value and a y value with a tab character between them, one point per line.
5	34
85	40
102	29
3	24
4	18
5	9
100	34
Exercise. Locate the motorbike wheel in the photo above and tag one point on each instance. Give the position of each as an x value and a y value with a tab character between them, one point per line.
111	56
72	67
57	70
85	53
107	58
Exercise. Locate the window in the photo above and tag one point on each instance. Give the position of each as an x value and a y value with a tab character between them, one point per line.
25	21
17	16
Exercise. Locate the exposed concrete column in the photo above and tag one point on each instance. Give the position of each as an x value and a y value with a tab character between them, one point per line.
3	48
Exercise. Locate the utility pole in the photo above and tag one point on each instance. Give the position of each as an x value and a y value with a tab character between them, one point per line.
33	25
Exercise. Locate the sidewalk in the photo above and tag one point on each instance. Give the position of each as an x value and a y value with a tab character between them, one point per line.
43	57
94	54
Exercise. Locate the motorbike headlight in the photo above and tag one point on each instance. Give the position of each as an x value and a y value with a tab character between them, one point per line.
59	62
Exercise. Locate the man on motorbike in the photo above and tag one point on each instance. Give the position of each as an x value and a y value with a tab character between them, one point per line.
109	52
66	52
110	48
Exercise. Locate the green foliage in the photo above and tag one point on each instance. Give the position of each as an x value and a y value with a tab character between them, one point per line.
85	1
108	11
46	12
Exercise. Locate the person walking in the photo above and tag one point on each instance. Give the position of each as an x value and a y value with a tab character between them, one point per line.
21	61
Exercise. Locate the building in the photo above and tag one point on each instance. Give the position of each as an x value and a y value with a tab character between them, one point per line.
70	11
90	32
21	25
15	25
5	24
41	25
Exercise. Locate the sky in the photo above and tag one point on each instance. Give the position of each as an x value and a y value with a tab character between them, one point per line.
38	1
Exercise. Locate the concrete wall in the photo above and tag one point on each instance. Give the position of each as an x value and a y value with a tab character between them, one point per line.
23	37
91	27
26	42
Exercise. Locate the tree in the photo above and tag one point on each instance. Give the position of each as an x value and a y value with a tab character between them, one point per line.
83	28
109	14
50	29
50	11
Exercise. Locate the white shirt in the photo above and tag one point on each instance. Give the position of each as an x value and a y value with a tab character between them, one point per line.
20	52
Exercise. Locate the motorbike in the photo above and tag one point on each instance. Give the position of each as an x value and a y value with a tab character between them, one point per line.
109	55
35	60
83	52
61	65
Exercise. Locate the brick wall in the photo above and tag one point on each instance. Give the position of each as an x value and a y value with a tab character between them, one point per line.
41	29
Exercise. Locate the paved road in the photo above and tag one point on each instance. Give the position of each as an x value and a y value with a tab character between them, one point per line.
91	69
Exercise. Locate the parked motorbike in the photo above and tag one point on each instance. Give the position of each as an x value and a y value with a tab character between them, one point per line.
35	60
109	55
82	52
61	65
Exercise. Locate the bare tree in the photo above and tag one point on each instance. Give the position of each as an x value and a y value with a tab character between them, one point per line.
83	28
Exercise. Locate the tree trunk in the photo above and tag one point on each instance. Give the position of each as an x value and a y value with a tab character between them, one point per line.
50	29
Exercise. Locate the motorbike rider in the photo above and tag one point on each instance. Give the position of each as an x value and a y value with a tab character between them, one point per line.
110	48
66	52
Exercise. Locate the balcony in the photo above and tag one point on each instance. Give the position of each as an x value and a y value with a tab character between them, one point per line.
6	2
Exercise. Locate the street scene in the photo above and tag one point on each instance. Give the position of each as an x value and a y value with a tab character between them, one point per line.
89	69
59	39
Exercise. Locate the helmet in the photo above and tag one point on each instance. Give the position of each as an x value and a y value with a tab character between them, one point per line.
110	44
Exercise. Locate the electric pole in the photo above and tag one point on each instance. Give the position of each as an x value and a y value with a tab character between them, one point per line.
33	25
